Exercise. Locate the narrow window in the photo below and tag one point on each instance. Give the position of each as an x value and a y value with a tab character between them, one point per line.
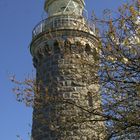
90	99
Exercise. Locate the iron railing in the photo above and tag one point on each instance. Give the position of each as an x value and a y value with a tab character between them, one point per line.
62	22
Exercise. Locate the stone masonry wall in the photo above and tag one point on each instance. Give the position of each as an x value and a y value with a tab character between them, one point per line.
68	87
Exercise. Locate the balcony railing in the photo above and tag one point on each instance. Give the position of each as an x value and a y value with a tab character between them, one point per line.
69	22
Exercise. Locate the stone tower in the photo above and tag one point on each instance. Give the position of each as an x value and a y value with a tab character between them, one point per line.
65	54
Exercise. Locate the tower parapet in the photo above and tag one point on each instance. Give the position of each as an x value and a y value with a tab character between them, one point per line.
68	14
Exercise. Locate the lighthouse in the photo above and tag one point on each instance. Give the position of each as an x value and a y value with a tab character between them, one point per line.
65	53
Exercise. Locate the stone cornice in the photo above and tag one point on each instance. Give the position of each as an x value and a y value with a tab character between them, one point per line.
64	32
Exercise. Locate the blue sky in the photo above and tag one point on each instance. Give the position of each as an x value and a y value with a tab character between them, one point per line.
18	17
